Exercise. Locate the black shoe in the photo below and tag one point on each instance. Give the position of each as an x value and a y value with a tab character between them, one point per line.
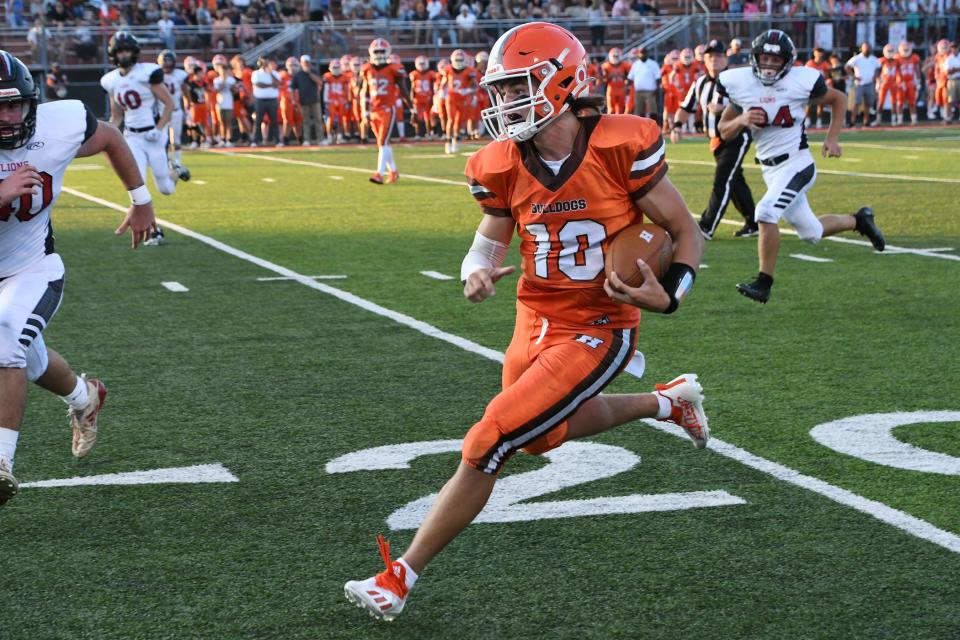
705	232
867	226
757	290
747	231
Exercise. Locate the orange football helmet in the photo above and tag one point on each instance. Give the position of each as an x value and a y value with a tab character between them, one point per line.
422	63
551	61
219	60
906	48
698	52
482	57
615	55
336	67
379	51
888	51
686	56
458	59
943	47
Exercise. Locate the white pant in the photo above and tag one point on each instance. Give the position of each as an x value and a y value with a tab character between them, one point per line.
176	128
28	301
154	154
786	196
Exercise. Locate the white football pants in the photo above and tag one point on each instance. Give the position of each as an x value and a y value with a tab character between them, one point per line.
155	155
786	196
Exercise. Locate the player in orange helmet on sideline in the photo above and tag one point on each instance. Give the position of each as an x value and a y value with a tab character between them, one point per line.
671	98
359	108
683	75
401	124
483	99
888	80
909	75
336	97
289	112
439	108
242	106
382	84
613	74
565	179
461	83
422	79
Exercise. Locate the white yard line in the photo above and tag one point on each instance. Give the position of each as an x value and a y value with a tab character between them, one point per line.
831	172
436	275
176	287
200	182
268	179
896	147
462	184
805	257
905	522
330	277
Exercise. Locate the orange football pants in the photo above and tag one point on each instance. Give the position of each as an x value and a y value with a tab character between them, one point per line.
549	371
616	101
381	122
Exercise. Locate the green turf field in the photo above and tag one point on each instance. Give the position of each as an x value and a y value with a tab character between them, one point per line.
274	380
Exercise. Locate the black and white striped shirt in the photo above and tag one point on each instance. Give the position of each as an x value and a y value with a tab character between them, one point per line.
704	92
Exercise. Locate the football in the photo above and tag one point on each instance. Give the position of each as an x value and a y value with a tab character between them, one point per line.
649	242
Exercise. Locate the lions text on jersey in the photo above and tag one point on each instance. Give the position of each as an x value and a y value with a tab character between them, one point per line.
133	93
26	235
784	103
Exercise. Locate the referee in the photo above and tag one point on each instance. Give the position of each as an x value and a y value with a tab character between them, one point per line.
728	181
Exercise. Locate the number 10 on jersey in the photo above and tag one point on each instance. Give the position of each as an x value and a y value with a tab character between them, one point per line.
581	249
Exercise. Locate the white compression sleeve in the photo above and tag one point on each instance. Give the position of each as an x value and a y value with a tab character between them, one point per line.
484	253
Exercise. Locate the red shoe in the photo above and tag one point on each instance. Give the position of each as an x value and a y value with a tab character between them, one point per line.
383	595
686	397
392	177
376	178
84	421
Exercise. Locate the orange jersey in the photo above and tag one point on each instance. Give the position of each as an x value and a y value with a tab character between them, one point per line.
615	75
461	82
285	94
683	76
336	89
823	67
383	84
889	70
909	68
246	79
421	84
940	69
565	222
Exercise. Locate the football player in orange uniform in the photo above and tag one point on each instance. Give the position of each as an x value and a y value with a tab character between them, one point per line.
941	77
909	72
214	113
613	74
820	63
682	76
888	83
483	100
243	104
393	58
382	84
290	114
671	100
567	179
336	96
439	108
199	107
460	81
422	79
359	106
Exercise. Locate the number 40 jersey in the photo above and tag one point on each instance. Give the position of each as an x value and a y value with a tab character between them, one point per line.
784	103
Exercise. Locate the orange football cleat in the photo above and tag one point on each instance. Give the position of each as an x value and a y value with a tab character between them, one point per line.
383	595
376	178
392	177
686	399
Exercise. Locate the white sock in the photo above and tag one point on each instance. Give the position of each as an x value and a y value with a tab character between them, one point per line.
176	156
411	576
402	128
388	158
381	160
8	446
80	396
666	407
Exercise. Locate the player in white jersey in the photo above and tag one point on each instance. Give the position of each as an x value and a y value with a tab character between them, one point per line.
37	142
173	80
771	97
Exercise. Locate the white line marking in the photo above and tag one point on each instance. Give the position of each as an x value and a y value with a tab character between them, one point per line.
848	159
910	157
896	147
831	172
201	182
803	256
431	156
463	184
268	179
331	277
930	250
79	166
704	266
884	513
176	287
335	177
436	275
201	473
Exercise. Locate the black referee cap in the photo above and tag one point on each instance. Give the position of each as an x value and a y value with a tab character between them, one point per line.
715	46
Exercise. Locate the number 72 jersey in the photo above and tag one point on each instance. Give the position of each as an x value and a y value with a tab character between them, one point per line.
565	221
784	103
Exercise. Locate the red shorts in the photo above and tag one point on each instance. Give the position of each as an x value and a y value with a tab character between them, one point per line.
421	108
337	110
549	371
616	101
200	116
671	102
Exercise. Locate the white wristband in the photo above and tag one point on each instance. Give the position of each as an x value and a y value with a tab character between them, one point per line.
483	254
140	195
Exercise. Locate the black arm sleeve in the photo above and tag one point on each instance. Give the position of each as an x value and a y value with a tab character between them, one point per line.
92	124
819	89
156	77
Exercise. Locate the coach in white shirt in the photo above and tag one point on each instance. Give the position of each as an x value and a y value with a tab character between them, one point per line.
864	67
644	76
266	99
